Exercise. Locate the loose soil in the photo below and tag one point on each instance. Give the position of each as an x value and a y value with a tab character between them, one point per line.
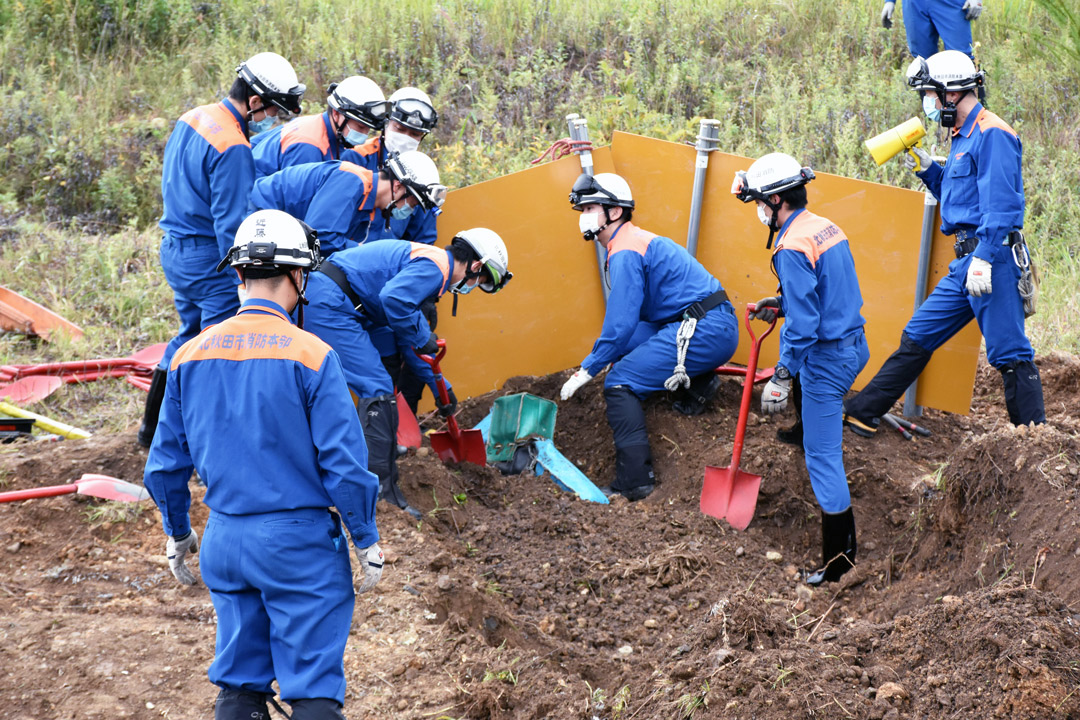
514	599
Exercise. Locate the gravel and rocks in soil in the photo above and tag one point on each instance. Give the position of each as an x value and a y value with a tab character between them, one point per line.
514	599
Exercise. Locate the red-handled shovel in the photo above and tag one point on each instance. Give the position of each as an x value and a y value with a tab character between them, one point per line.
730	493
101	486
454	445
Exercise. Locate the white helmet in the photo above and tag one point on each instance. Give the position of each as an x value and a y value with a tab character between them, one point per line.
605	189
417	172
359	98
946	71
412	108
272	78
491	252
272	239
770	175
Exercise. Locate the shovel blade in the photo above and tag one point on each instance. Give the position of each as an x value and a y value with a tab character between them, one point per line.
32	389
467	447
408	430
730	494
110	488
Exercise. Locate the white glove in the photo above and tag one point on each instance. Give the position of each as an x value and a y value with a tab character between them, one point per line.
922	165
886	14
242	293
371	562
774	396
978	277
972	9
176	551
576	380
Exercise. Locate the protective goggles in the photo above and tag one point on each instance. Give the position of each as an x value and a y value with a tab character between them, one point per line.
431	197
586	190
416	114
373	114
493	279
288	101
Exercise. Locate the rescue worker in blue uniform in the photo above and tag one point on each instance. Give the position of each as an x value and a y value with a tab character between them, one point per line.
261	410
340	199
668	325
356	110
362	290
206	179
981	192
822	340
928	21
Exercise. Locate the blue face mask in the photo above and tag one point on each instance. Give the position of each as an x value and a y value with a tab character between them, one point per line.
355	138
254	128
400	212
929	107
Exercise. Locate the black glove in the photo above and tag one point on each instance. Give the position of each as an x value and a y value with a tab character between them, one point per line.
430	311
451	407
767	309
432	346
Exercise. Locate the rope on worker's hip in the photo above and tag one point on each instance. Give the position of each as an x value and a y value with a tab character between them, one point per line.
682	341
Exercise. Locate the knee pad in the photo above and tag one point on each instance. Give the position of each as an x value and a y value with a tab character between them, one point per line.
316	709
241	705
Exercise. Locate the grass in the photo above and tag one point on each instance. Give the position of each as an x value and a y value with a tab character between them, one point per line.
93	88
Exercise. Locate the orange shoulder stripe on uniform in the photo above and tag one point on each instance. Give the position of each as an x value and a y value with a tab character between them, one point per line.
988	120
435	255
365	177
216	125
254	336
309	129
631	237
811	235
371	147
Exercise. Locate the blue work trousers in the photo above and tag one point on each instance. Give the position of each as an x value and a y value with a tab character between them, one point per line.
925	21
282	589
652	355
331	316
202	295
826	376
1000	314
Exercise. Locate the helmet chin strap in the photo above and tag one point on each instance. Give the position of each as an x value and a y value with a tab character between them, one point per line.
301	300
773	227
389	206
593	234
948	112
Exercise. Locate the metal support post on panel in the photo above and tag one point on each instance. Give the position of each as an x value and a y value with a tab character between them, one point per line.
708	133
579	130
929	220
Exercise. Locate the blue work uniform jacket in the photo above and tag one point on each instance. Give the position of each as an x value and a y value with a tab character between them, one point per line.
820	292
981	185
260	408
392	280
419	227
303	140
206	176
368	156
336	198
653	279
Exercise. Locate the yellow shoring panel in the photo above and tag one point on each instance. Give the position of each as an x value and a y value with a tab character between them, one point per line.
883	223
548	316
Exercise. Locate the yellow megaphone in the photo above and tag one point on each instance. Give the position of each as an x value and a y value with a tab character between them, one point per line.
892	142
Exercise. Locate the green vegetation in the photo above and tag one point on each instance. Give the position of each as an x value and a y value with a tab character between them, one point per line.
92	88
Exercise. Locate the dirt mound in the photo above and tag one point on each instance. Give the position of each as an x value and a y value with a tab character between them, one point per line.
514	599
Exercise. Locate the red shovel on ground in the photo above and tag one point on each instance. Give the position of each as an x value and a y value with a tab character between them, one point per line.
730	493
101	486
455	444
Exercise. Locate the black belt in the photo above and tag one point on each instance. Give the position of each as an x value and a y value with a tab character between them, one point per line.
700	308
966	240
335	273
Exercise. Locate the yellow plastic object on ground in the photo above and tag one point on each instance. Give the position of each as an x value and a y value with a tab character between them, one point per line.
547	318
53	426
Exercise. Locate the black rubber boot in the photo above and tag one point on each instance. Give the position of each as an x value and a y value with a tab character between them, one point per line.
153	407
838	547
241	705
378	418
794	434
316	709
1023	393
863	412
633	458
694	399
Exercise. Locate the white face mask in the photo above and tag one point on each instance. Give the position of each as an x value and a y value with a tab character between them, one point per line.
589	222
761	215
400	142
